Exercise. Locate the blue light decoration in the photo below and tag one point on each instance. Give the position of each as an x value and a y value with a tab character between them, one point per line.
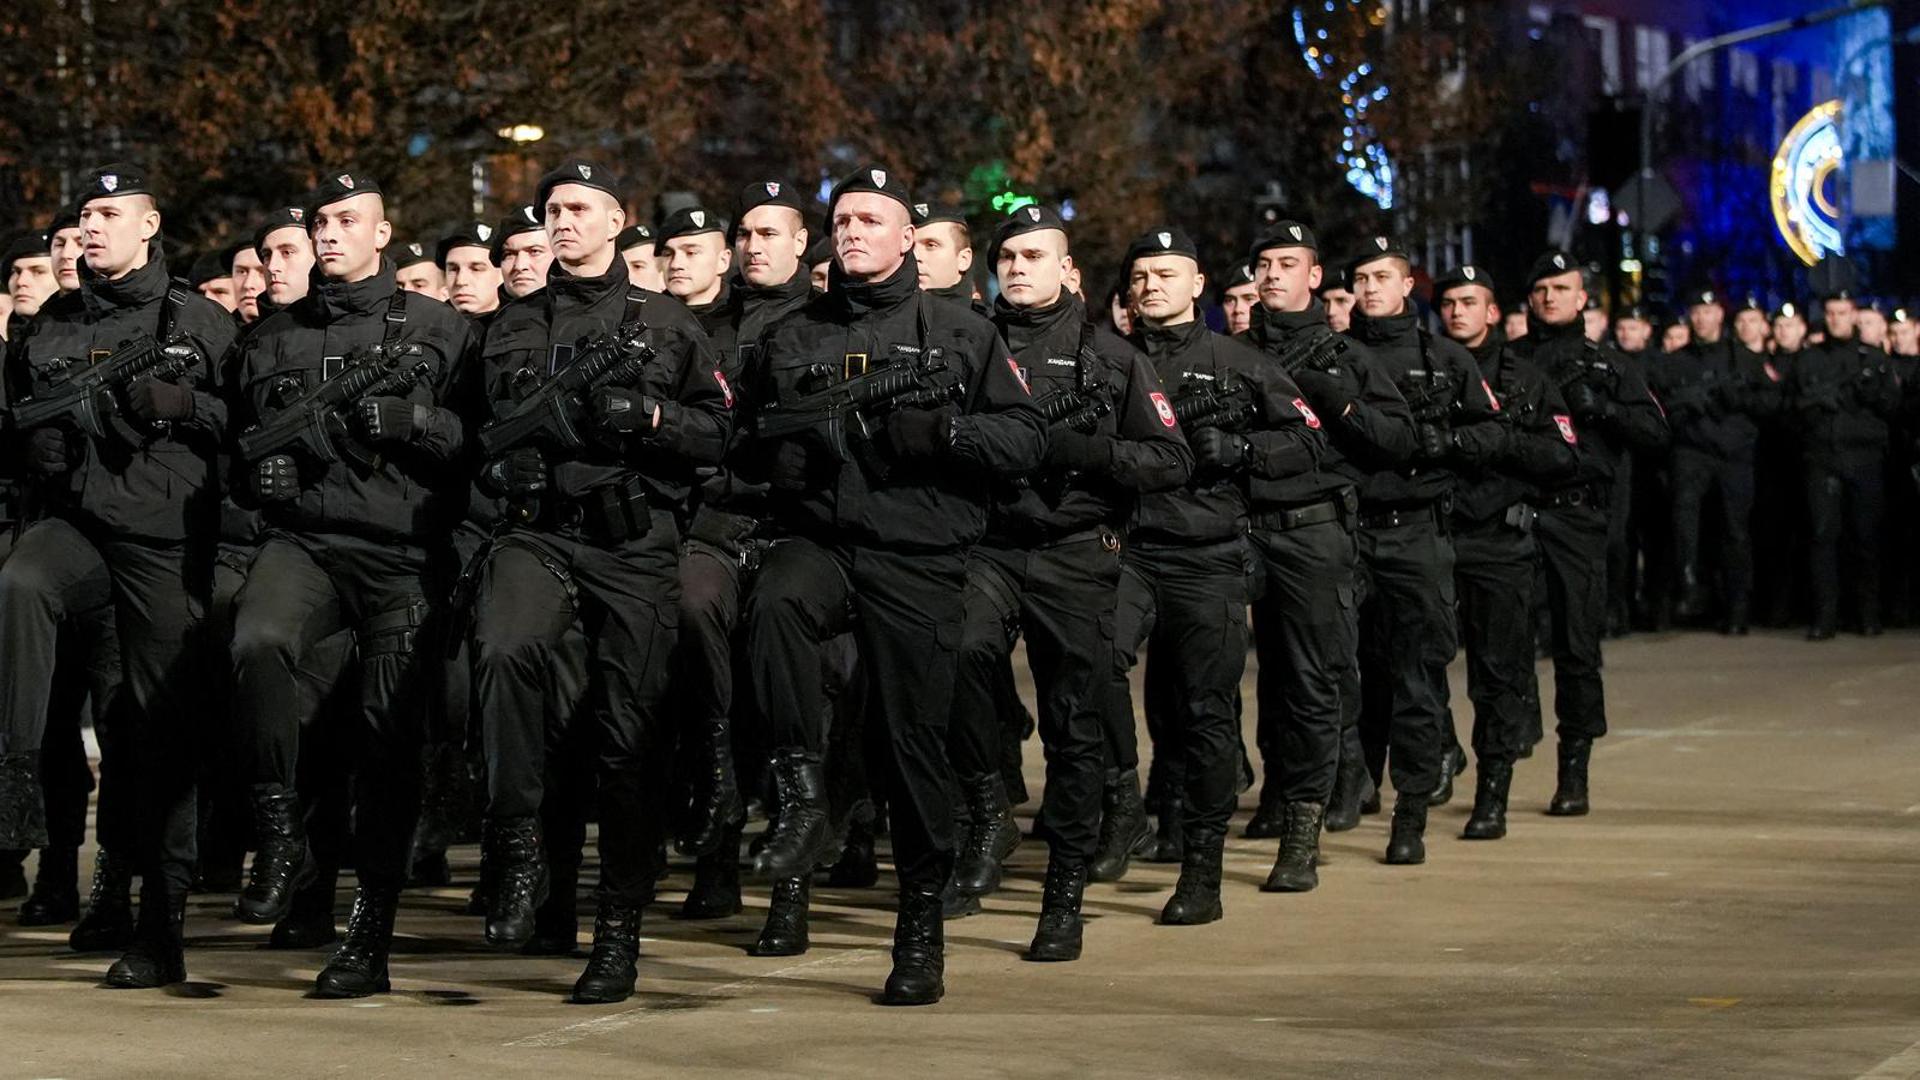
1369	170
1801	187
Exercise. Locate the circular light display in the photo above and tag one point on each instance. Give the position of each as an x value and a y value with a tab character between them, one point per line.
1805	172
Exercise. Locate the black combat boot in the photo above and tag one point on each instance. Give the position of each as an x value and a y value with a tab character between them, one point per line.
717	809
1270	817
309	923
919	949
1297	868
1058	936
56	889
801	837
612	965
157	956
785	933
1123	826
556	925
1168	842
1489	818
1196	896
108	924
955	904
358	968
1453	762
1406	846
992	838
282	864
23	814
858	868
715	893
521	864
1570	794
1351	784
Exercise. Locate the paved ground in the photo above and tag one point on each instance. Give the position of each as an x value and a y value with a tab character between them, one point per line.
1745	902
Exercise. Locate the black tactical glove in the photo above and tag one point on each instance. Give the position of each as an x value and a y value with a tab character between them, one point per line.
1435	440
391	419
919	432
51	451
1072	450
626	411
276	479
1216	449
154	399
516	474
787	466
1329	393
1586	402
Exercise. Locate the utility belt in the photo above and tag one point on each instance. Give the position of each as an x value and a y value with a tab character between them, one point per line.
1396	517
607	515
1342	507
1028	537
1595	496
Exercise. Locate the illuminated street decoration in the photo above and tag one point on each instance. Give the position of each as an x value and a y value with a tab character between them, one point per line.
1801	189
1368	167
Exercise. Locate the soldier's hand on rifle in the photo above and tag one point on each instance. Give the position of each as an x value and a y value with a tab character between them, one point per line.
51	451
1435	440
625	411
516	474
919	432
1216	449
1072	450
276	479
156	399
787	466
390	419
1329	392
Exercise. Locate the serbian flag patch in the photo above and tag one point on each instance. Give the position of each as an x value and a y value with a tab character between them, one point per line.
1306	411
1491	400
1565	424
726	390
1160	406
1019	375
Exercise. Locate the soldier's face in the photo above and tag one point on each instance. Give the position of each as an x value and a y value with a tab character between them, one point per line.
114	233
1164	288
220	291
1517	325
349	235
1121	313
1033	268
1632	335
1871	327
65	249
772	240
871	235
582	223
646	267
1751	328
1841	318
942	254
249	281
1285	278
423	278
1675	338
473	282
1382	287
1558	300
1906	337
287	256
524	259
695	266
30	283
821	274
1789	333
1468	313
1238	303
1339	305
1594	323
1707	321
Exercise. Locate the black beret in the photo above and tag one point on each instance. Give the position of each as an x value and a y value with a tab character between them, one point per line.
25	245
65	219
1468	274
932	213
1552	264
1284	234
1902	314
1239	274
1703	296
1165	240
635	236
1336	278
1028	219
286	217
407	254
113	179
1751	302
874	179
690	221
768	193
820	248
1634	311
471	234
584	173
339	186
1375	249
206	268
1788	310
524	220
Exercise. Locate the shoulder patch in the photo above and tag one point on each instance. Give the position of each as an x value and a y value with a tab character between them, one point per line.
1306	413
1163	408
1019	375
1565	424
1491	399
726	389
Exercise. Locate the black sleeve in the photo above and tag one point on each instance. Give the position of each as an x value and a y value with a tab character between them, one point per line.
999	428
1149	452
1377	431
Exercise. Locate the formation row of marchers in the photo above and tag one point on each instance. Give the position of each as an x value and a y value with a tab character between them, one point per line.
542	534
